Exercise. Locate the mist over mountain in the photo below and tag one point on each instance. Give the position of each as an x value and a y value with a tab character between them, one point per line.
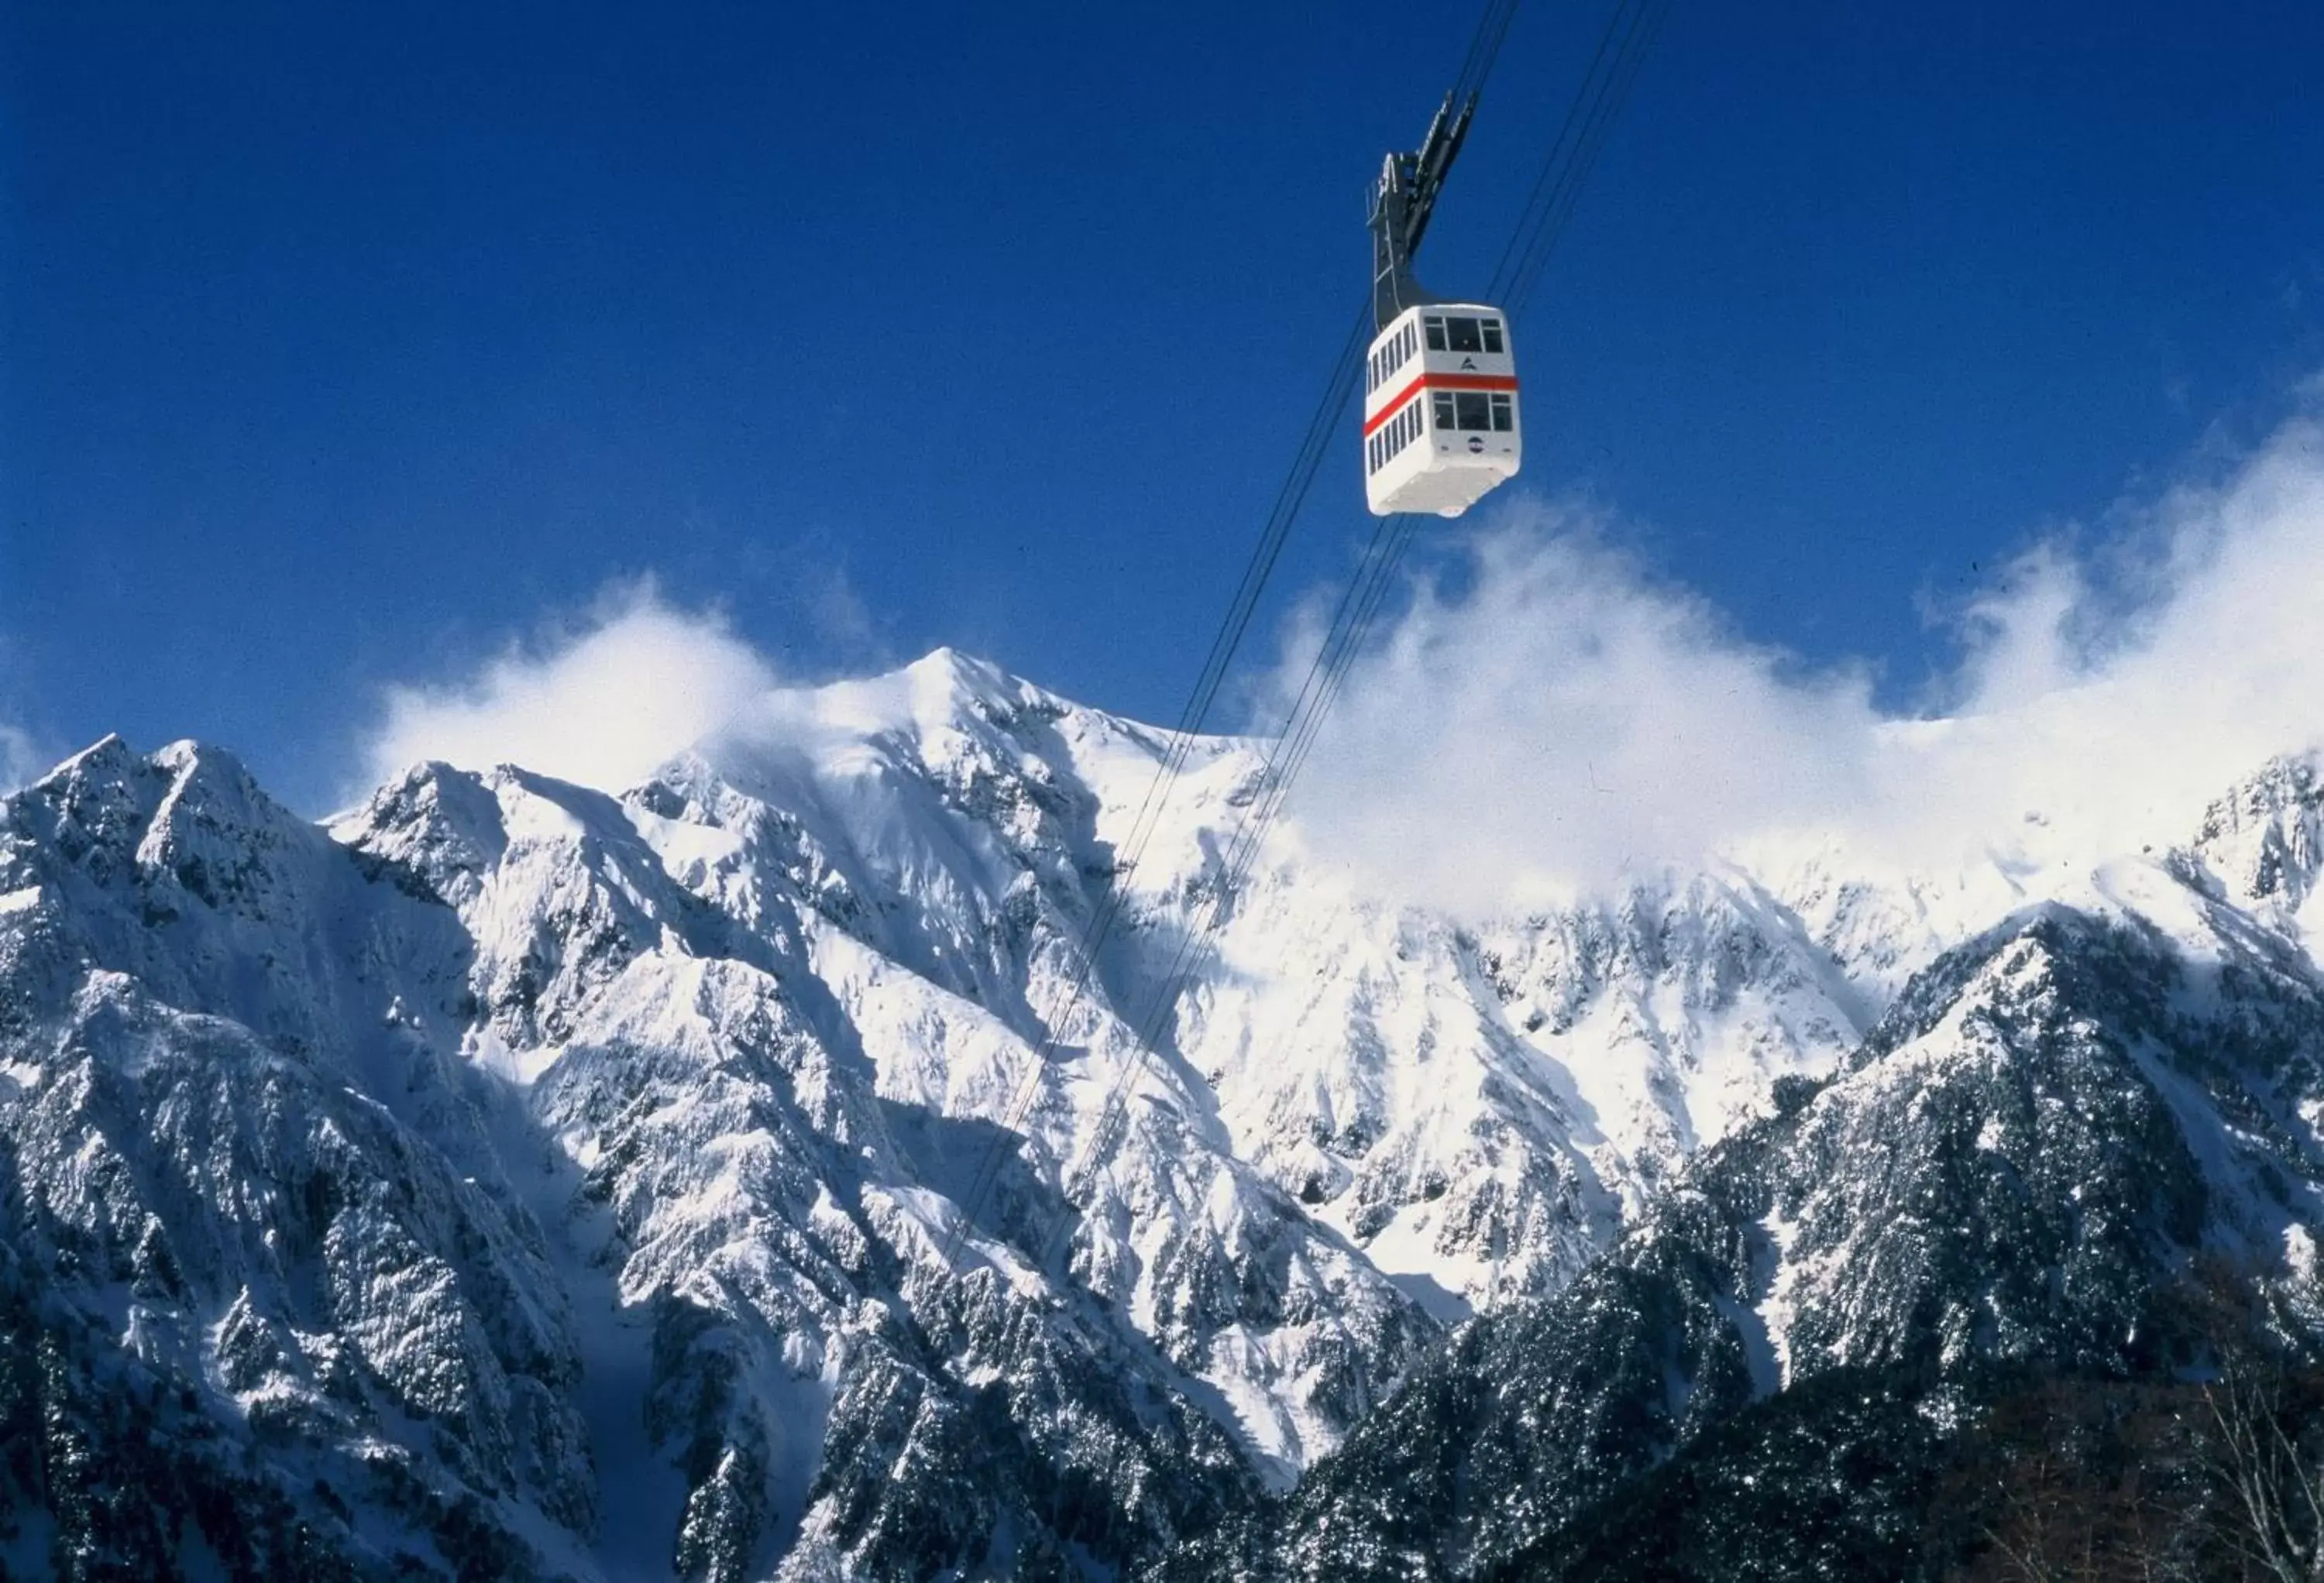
745	1174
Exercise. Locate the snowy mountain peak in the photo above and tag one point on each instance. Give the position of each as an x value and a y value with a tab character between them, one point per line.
107	758
944	673
185	830
2265	838
443	823
186	779
943	693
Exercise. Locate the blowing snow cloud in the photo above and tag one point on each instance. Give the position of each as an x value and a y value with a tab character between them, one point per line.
1566	717
601	703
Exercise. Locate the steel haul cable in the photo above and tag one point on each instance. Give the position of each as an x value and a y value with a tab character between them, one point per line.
1631	31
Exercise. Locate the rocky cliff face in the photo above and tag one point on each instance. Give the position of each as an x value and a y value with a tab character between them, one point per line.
759	1174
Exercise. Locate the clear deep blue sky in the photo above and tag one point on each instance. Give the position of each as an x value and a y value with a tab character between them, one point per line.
339	347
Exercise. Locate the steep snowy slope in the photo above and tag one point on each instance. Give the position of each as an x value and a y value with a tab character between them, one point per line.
250	1183
1481	1108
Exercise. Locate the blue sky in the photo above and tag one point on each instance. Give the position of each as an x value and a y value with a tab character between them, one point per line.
336	350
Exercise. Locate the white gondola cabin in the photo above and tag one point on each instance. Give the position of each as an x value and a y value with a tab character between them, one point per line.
1441	426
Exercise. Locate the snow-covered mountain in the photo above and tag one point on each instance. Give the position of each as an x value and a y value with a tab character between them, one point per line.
753	1176
2059	1133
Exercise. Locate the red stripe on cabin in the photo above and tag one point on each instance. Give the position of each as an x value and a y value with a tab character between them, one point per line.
1441	381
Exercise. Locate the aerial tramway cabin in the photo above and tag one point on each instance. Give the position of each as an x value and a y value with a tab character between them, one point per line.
1440	385
1440	410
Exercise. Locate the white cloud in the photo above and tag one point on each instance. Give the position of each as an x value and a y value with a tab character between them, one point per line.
1554	713
24	756
1563	716
21	759
602	703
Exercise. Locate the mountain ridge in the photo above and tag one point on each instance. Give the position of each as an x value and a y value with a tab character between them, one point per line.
615	1207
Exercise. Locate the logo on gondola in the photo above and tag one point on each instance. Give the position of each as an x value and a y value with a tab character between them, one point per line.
1468	363
1476	445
